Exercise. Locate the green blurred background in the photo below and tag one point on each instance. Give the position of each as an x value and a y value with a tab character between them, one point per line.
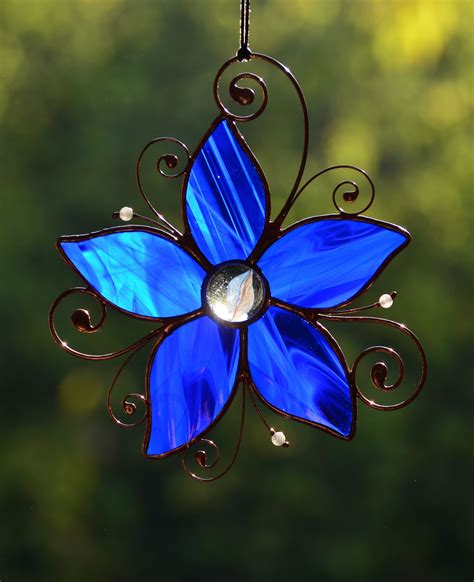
83	85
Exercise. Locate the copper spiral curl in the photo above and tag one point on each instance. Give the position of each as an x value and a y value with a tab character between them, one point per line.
171	161
379	371
201	457
349	195
242	95
129	406
81	320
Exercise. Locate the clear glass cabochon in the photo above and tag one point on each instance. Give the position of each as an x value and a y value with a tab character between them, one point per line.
235	293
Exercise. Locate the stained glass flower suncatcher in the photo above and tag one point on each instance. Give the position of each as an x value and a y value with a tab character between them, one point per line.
240	302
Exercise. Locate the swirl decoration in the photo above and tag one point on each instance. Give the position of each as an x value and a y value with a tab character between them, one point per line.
201	456
81	320
348	190
242	95
171	162
379	371
129	405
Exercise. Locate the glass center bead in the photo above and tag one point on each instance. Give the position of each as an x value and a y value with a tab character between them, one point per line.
235	293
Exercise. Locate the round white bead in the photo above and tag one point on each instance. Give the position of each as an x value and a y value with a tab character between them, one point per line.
278	439
126	213
386	301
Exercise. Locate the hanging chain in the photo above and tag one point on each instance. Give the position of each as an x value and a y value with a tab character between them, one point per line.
244	53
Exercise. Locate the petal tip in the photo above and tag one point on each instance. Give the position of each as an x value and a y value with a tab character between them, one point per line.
347	432
62	244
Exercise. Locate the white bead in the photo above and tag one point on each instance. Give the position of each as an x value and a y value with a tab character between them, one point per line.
278	439
126	213
386	301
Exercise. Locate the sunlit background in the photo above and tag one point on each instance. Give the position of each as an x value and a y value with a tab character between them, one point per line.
84	84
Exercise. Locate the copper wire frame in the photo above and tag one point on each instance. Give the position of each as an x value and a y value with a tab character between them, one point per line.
244	96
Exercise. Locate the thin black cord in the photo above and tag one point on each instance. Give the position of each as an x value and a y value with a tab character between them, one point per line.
244	53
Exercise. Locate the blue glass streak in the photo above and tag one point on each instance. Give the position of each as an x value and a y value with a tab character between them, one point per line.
297	371
138	271
326	262
225	198
191	379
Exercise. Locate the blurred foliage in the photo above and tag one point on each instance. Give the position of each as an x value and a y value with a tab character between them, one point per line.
83	85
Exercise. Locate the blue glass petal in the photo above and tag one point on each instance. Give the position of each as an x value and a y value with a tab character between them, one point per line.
225	198
326	262
138	271
296	371
191	379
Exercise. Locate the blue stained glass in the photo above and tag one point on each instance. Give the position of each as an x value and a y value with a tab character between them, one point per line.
191	380
225	198
297	371
324	263
138	271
